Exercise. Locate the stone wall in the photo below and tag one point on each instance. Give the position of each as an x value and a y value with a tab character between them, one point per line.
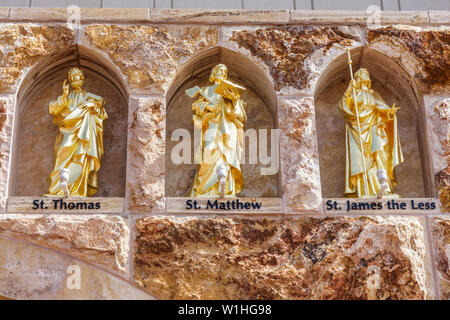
294	65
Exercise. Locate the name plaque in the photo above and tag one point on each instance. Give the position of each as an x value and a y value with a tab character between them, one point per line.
382	206
224	205
66	205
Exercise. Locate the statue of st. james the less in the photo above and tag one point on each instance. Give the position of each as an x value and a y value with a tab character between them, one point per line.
371	126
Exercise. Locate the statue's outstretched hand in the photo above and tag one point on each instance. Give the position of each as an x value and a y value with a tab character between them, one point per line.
90	106
212	108
230	94
392	111
351	85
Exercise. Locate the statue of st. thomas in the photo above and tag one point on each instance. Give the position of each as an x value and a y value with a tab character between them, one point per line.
79	116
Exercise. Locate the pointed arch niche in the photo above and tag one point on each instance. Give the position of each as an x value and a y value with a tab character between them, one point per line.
395	86
261	114
34	131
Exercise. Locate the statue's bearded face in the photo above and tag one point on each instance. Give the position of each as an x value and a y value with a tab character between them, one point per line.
219	72
363	77
76	78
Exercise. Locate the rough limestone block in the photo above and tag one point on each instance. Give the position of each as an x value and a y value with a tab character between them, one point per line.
99	239
305	258
441	241
285	50
420	51
22	45
146	151
150	56
30	272
6	120
437	111
299	155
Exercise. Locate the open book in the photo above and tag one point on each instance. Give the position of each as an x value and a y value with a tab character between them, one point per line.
225	84
192	92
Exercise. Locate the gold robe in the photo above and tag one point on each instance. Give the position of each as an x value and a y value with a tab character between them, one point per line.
380	138
221	122
79	144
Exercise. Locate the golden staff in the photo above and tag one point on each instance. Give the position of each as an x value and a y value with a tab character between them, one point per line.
366	189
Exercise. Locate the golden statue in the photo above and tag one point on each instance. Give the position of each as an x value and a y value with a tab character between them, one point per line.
372	126
219	113
79	116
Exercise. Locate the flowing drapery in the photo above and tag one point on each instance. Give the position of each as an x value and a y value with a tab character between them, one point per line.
381	142
79	144
221	123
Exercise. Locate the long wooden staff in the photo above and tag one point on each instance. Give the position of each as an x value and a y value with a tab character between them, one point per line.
365	178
